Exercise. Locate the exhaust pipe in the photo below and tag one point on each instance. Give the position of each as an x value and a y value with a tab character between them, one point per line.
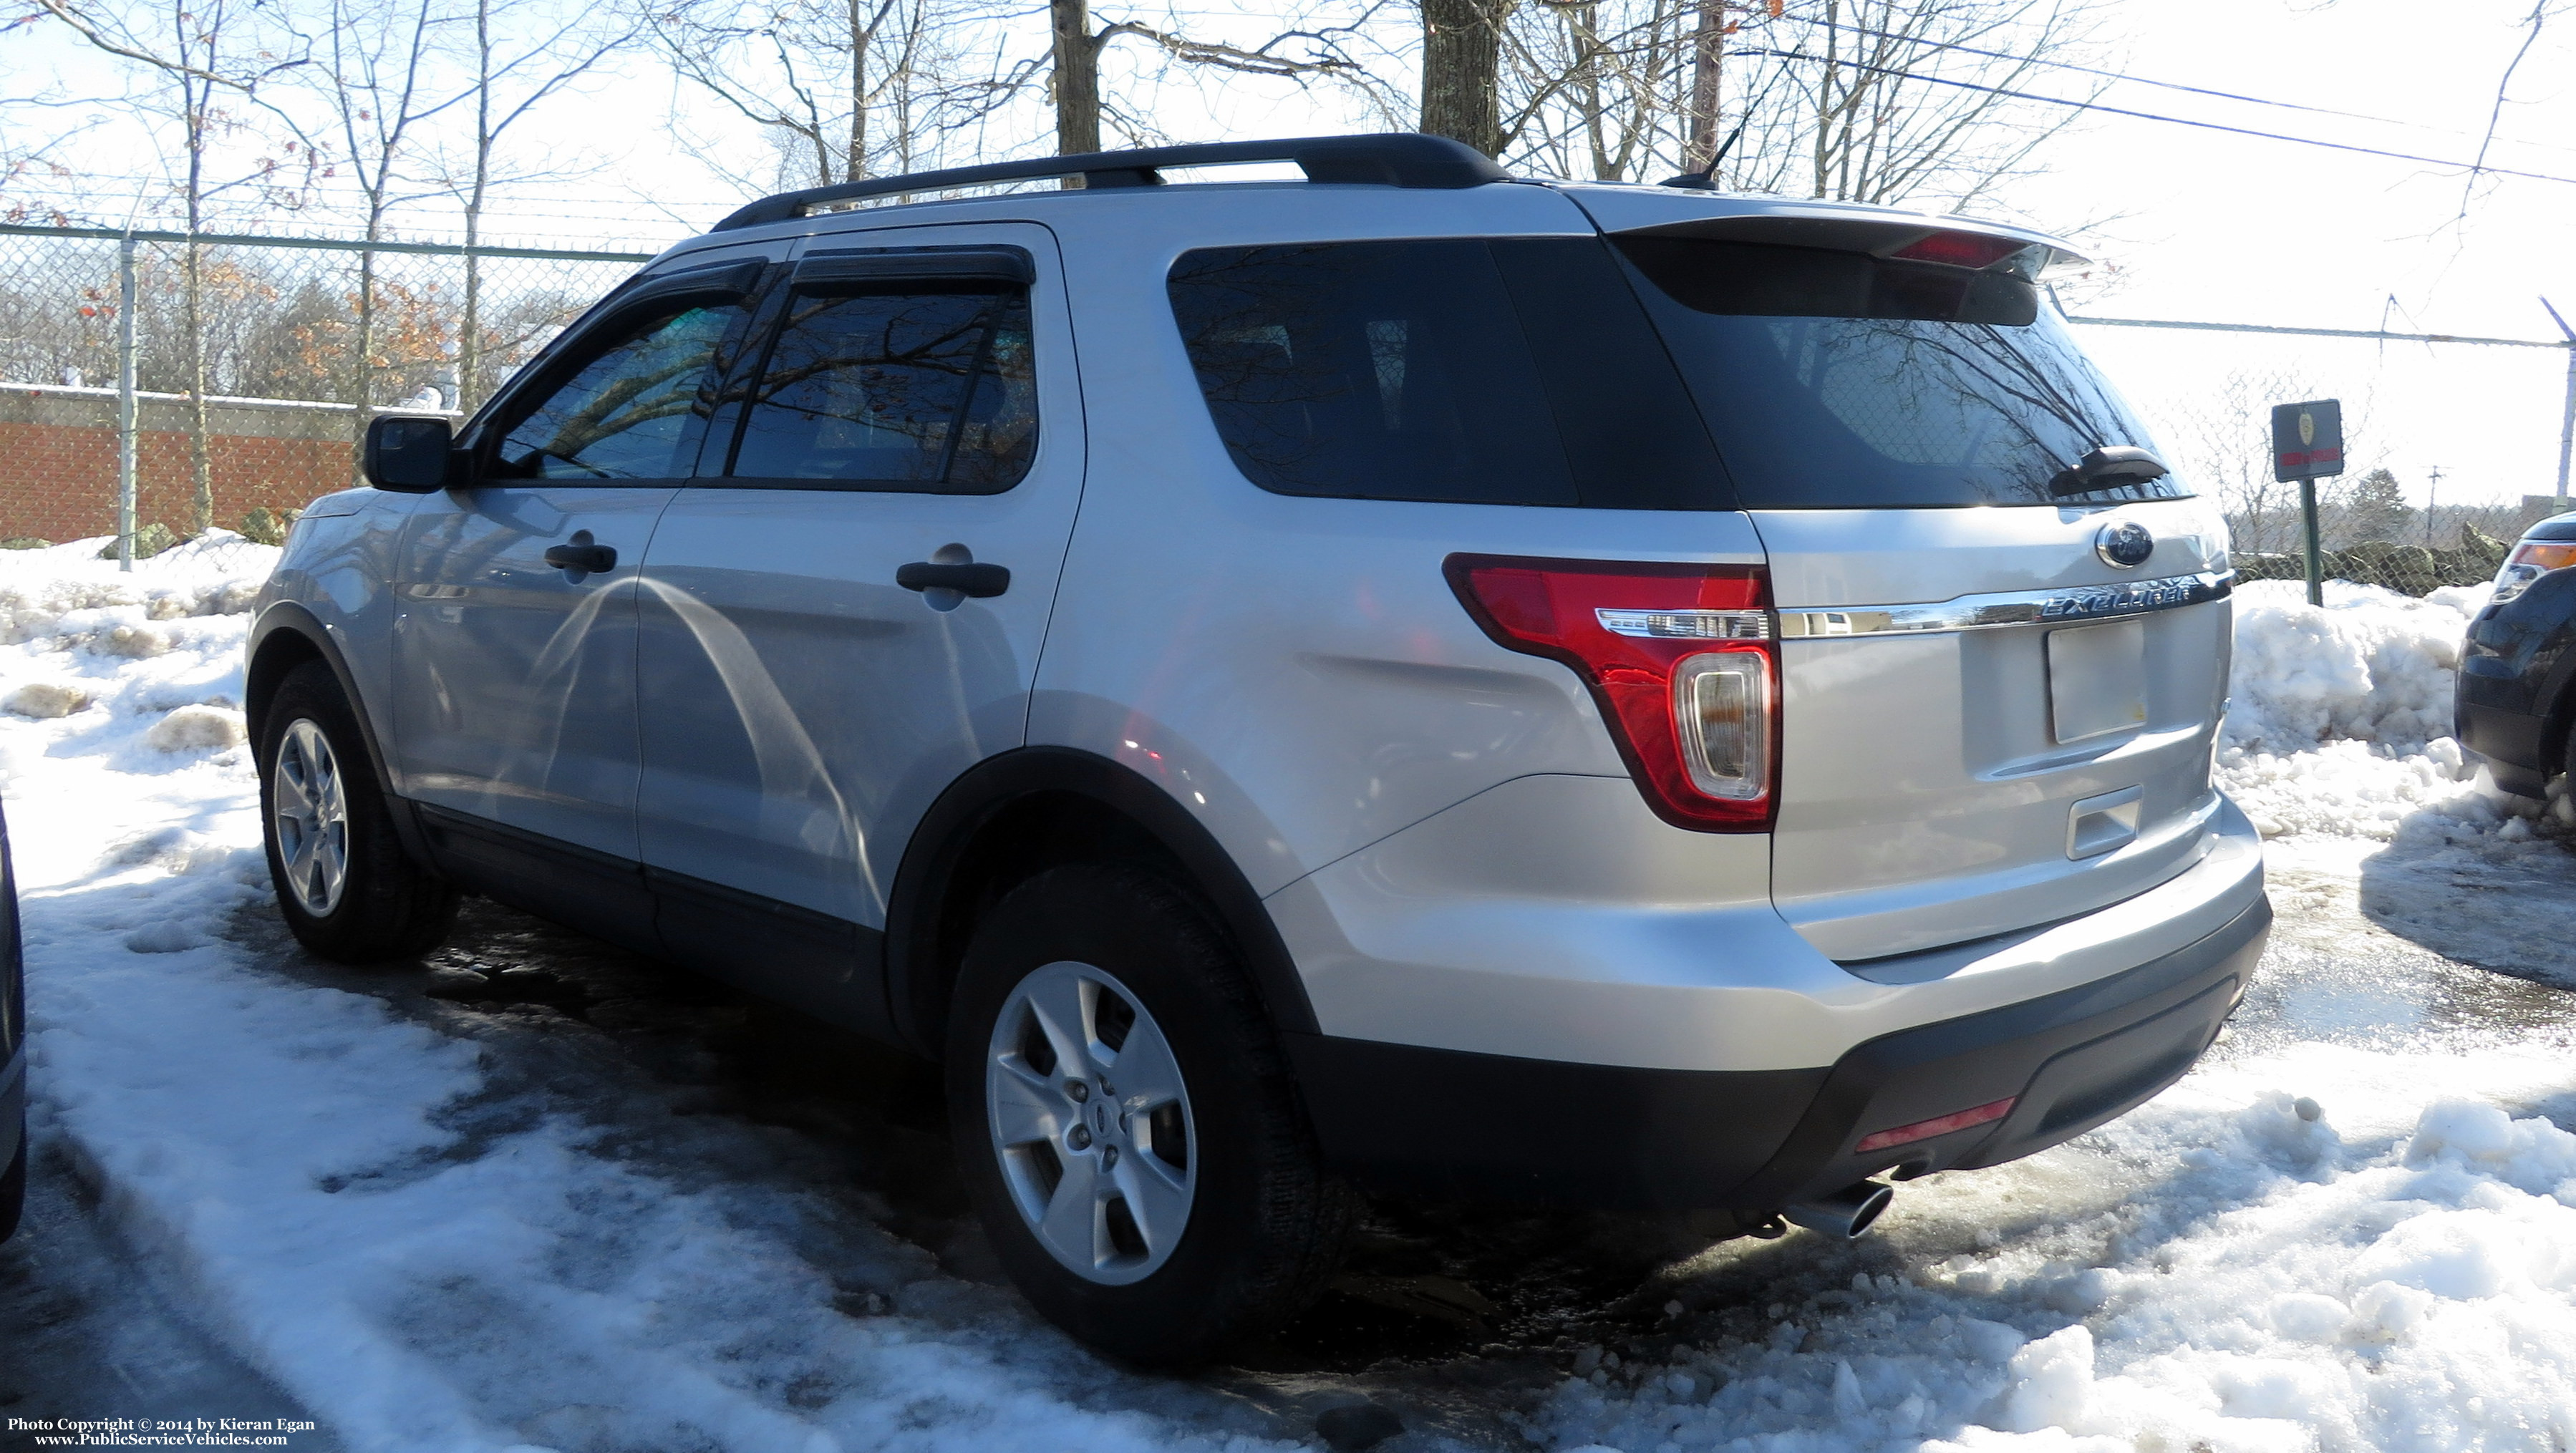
1844	1214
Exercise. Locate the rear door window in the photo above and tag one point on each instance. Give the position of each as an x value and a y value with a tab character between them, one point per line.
1514	371
1837	379
908	386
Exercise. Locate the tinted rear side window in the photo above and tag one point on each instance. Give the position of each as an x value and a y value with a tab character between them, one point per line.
1514	371
901	389
1841	380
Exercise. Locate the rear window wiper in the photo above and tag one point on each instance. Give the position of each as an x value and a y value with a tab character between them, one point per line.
2108	468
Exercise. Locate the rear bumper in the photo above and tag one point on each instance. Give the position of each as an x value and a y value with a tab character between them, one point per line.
1452	1123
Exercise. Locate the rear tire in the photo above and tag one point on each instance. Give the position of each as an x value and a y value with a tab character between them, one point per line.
13	1186
347	889
1167	1221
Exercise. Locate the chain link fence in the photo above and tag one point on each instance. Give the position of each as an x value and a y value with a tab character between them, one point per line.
2390	520
255	363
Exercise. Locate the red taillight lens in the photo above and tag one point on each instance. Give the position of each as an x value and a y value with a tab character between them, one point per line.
1960	249
1937	1125
1679	657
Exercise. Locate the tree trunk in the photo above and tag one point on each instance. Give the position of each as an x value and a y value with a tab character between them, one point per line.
1077	78
1461	64
855	165
1709	49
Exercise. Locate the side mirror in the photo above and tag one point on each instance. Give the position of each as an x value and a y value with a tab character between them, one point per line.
407	455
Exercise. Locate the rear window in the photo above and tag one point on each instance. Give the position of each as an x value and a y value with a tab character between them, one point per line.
1515	371
1836	379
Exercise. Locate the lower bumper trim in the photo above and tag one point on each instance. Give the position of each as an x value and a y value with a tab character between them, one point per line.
1475	1126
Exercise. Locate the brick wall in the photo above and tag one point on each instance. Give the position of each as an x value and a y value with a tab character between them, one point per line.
58	459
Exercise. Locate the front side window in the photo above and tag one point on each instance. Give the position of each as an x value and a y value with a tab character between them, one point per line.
1512	371
904	388
631	412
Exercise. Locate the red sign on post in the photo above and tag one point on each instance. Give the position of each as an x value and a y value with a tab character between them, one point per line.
2307	439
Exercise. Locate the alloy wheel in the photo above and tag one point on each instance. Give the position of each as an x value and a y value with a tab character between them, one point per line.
1091	1122
309	808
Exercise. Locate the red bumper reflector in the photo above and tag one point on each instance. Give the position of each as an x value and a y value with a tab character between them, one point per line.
1938	1125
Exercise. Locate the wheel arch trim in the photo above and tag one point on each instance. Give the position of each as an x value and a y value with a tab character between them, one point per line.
918	963
290	628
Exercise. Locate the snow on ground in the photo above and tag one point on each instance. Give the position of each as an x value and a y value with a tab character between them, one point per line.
2353	1228
292	1157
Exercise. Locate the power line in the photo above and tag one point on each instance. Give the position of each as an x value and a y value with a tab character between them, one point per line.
2150	81
1904	75
2321	332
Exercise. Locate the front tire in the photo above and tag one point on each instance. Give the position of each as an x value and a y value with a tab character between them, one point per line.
345	886
1126	1124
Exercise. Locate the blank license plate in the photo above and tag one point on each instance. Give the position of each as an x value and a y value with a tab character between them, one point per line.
2097	680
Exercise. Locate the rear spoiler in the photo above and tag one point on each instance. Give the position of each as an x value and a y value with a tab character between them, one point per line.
1912	237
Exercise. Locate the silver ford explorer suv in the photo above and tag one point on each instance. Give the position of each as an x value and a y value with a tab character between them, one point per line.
1417	678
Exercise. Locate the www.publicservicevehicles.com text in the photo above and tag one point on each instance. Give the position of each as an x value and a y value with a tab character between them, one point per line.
158	1432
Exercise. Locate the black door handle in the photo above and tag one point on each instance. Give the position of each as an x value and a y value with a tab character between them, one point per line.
975	580
595	559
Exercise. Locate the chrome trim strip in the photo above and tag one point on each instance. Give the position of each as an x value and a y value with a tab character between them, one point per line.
1690	625
2012	608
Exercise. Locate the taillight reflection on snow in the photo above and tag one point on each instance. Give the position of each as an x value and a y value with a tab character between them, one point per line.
1678	657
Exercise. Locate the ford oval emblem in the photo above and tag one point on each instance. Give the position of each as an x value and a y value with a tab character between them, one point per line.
2124	543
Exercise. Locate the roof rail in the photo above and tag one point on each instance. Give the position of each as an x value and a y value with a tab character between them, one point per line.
1391	159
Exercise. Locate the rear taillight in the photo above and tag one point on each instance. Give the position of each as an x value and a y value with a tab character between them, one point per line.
2529	561
1679	658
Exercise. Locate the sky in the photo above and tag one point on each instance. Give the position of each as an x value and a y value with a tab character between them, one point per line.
2201	224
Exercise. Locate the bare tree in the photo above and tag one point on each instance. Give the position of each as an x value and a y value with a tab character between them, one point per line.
1592	87
2530	25
378	86
848	88
1904	98
1462	44
511	78
1302	48
214	56
1855	100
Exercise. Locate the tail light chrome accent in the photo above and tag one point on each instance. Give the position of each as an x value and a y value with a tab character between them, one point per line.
1677	656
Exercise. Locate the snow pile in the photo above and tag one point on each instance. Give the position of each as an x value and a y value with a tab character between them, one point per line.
426	1247
2253	1281
2340	715
140	668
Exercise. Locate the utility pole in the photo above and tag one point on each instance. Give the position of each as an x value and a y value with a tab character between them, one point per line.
2431	492
2566	419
